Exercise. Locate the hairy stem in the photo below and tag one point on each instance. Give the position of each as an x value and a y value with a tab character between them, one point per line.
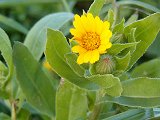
97	108
13	111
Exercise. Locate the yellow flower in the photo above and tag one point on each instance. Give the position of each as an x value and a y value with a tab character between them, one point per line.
47	65
93	37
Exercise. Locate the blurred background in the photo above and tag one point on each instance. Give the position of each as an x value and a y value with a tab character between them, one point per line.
17	17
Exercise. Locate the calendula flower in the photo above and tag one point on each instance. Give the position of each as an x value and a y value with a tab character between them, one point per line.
93	37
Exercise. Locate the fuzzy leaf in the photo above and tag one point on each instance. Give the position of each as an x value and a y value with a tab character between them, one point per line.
96	7
6	49
34	83
116	89
117	48
147	69
133	102
71	60
132	18
122	63
119	28
71	104
110	16
36	38
146	31
141	87
133	114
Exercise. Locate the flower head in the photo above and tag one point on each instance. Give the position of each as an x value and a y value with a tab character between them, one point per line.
93	37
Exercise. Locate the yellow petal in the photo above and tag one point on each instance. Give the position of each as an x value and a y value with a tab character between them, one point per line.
87	56
78	49
91	22
106	26
94	56
102	48
80	59
105	36
75	33
99	25
78	24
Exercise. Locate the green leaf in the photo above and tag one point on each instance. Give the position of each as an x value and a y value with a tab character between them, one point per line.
147	69
36	38
6	49
123	62
133	114
117	48
56	57
119	28
13	24
2	67
146	31
74	106
7	3
116	89
110	16
4	117
140	4
132	18
96	7
131	38
141	87
34	83
71	60
133	102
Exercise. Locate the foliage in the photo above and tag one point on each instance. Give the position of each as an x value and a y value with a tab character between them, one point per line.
28	90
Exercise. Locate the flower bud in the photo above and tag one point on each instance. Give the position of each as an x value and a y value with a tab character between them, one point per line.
105	65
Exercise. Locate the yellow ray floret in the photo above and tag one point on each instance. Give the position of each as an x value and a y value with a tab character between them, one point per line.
93	37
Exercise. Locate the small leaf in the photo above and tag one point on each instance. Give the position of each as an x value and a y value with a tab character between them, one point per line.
147	69
117	48
71	104
36	38
122	63
146	31
119	28
96	7
132	18
141	87
34	83
131	38
110	16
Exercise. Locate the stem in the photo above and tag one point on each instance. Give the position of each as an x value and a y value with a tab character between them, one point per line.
65	4
97	108
13	112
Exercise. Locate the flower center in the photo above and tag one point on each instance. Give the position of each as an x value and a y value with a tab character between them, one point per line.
90	41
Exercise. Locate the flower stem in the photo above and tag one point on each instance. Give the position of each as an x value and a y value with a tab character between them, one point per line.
13	111
97	108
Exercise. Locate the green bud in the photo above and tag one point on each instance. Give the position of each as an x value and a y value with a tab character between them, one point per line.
105	65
